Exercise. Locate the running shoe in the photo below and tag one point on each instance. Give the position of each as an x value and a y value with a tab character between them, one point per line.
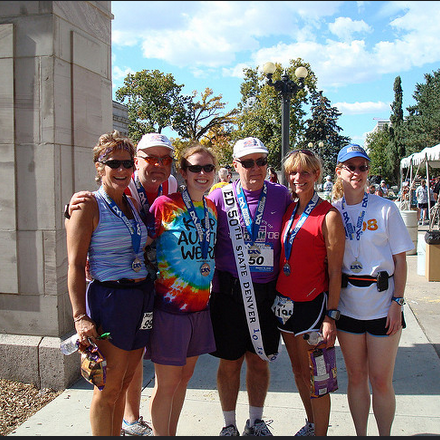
307	430
259	429
229	431
138	428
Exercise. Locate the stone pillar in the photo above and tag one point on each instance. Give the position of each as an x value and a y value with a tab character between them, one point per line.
55	101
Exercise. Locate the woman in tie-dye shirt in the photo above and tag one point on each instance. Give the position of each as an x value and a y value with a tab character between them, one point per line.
186	229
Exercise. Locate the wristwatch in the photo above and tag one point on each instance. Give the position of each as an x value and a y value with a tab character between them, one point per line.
399	300
333	314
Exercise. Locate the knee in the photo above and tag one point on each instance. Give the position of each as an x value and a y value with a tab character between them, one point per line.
381	384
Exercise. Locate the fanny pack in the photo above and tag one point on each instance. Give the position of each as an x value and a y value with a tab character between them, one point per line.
366	280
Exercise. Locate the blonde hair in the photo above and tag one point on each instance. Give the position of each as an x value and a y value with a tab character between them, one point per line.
107	144
305	159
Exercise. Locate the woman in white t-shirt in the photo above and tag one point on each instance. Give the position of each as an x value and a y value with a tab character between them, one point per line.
374	277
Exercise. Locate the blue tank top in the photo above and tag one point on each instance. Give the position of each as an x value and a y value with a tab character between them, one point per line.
111	252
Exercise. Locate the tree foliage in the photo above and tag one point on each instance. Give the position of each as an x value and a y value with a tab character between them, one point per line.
422	126
376	143
322	128
154	102
260	109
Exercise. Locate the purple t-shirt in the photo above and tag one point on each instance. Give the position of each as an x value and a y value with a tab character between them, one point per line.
268	242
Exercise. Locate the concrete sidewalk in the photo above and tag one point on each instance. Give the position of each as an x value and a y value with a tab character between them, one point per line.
416	383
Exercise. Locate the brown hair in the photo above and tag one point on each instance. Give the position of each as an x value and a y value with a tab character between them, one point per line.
107	143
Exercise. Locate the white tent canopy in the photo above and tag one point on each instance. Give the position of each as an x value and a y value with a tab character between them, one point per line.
430	155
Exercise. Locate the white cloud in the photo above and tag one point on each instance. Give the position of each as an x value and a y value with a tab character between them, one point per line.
345	27
359	108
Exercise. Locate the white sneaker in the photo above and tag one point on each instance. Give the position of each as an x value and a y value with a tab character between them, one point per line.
138	428
307	430
260	428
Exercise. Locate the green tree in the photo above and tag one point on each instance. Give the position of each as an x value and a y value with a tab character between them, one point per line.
376	144
154	102
322	128
395	149
260	109
422	126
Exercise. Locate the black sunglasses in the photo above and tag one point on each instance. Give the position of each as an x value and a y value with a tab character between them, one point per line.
115	164
352	168
208	168
250	163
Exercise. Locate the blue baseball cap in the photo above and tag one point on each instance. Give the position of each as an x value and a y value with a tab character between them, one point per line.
350	151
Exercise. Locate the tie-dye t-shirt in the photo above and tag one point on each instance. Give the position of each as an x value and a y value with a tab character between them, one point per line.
180	285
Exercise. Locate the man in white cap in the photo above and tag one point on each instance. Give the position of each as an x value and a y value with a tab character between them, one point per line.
151	179
250	212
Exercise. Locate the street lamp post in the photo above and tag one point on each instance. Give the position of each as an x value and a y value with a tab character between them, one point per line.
286	88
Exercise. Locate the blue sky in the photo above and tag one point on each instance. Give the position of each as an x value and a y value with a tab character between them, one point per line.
356	49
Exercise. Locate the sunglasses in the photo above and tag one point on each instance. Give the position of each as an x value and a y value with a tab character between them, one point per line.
352	168
209	168
153	160
115	164
306	152
250	163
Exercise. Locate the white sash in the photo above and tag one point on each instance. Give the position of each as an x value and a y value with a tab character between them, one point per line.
244	273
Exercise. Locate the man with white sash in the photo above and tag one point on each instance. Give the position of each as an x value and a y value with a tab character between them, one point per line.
250	212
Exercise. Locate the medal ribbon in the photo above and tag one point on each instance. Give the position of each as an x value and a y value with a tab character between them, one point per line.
290	236
204	236
136	232
251	226
145	206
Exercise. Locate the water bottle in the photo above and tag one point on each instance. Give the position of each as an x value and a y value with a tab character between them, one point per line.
313	338
70	345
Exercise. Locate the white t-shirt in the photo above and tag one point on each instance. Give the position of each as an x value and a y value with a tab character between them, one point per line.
384	235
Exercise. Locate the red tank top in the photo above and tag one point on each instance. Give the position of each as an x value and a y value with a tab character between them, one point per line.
308	269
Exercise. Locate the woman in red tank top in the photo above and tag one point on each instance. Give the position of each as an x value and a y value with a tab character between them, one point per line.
309	281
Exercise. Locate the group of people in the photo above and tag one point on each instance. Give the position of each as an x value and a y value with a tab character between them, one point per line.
175	274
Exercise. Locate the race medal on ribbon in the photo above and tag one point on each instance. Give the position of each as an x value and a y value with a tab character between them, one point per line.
356	267
205	269
136	265
286	269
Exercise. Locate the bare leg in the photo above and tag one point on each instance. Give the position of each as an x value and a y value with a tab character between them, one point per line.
133	398
303	388
170	384
107	407
257	379
354	350
228	383
382	356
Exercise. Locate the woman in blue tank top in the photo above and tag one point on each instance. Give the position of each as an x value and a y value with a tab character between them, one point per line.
107	233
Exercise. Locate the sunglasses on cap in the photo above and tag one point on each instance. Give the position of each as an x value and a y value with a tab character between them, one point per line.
250	163
306	152
115	164
208	168
153	160
352	168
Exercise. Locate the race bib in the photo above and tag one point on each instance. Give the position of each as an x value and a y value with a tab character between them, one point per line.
282	308
260	256
147	321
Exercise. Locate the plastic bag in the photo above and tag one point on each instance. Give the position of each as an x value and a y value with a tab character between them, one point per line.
93	366
323	372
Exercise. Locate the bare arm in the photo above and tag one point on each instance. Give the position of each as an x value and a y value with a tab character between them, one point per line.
334	235
79	232
394	317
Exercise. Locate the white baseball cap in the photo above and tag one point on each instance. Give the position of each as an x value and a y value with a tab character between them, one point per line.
154	140
249	145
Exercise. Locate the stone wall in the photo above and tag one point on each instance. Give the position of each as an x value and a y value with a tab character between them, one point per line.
55	101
